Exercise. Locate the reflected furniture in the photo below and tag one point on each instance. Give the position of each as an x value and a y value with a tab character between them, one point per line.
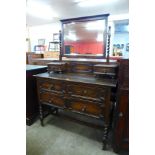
31	92
42	59
51	54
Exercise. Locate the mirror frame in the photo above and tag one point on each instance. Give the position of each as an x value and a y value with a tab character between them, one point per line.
85	19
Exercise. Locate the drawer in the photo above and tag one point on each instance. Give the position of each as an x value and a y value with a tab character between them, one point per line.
79	67
87	91
52	98
104	70
56	69
57	100
50	85
87	107
45	97
57	66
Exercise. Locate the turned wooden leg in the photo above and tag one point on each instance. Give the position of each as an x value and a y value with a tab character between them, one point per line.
56	111
105	136
41	115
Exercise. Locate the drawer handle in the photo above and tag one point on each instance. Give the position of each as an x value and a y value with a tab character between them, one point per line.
51	87
102	98
84	108
85	91
120	114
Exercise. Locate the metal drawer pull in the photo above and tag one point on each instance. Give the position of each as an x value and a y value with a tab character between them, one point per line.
84	108
85	91
120	114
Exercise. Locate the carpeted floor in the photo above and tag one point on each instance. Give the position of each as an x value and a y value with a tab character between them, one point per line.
63	137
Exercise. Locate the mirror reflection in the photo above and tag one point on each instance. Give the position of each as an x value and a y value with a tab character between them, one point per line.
84	38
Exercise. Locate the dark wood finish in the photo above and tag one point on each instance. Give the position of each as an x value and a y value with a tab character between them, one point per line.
31	95
45	61
106	70
80	93
96	67
57	67
121	120
108	43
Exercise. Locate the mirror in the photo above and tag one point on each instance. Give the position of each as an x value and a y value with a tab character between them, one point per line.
84	37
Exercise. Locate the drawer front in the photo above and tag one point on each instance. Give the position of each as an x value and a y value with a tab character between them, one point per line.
77	67
104	70
45	97
57	100
52	98
87	91
56	68
87	107
51	85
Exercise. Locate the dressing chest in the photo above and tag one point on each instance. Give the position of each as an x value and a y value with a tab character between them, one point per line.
84	80
80	92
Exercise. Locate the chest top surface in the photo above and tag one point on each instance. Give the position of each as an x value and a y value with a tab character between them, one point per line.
82	78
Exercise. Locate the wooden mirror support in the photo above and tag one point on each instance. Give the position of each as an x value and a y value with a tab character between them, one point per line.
108	44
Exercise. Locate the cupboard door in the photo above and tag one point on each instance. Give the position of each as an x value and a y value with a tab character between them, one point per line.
121	126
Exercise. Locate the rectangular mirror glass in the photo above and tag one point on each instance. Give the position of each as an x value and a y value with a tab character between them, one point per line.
84	37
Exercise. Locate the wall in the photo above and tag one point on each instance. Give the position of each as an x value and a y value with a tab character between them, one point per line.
43	32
